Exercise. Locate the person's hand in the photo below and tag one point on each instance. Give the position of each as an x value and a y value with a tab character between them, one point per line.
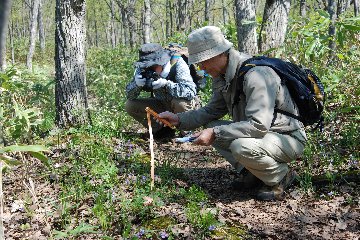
171	117
161	82
139	80
205	137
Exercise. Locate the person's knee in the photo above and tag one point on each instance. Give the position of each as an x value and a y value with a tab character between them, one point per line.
130	107
242	148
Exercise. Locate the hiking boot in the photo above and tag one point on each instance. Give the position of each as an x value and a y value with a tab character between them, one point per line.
246	181
276	192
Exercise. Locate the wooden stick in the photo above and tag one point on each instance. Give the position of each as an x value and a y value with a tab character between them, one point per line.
152	161
155	115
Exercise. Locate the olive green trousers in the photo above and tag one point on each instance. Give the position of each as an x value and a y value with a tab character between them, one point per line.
267	158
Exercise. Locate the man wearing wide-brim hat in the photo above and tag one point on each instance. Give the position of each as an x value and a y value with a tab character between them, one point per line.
173	88
257	142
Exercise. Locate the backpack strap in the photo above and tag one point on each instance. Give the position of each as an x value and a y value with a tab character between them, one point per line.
260	61
172	74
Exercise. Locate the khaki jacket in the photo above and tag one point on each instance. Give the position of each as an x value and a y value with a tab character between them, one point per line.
254	115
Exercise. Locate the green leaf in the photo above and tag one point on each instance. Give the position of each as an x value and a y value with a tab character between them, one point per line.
323	13
10	161
352	27
83	228
310	49
349	109
41	157
341	56
25	148
60	235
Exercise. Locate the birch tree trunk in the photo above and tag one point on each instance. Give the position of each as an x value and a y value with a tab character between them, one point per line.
70	87
273	27
5	6
41	28
246	26
147	21
33	31
356	8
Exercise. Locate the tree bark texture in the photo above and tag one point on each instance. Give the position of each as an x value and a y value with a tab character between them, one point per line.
132	22
246	32
303	8
356	8
343	5
41	28
182	16
168	14
207	11
224	12
112	31
70	88
5	6
332	30
147	22
275	20
11	36
33	31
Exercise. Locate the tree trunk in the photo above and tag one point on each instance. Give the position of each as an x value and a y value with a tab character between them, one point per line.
70	87
168	11
246	26
11	35
147	21
96	33
356	8
332	30
130	12
125	25
342	6
5	6
33	31
171	16
303	8
112	25
207	11
41	28
224	12
273	27
182	7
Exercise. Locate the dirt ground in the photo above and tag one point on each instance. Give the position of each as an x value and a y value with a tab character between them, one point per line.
318	215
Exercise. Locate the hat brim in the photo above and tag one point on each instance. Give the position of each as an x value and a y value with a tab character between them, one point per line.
158	58
209	53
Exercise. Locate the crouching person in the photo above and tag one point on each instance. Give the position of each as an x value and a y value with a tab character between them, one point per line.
258	142
168	79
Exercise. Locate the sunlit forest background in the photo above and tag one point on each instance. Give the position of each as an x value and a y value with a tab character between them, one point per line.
89	178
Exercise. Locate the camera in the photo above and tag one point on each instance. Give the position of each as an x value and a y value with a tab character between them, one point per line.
150	76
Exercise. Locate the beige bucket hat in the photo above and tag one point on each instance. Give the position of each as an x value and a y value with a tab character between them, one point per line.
205	43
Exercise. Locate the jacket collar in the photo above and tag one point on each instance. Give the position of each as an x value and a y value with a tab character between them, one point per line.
235	59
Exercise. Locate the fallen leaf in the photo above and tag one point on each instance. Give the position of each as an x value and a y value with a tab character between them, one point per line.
148	201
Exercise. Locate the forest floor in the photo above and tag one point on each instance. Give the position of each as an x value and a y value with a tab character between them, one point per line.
319	214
